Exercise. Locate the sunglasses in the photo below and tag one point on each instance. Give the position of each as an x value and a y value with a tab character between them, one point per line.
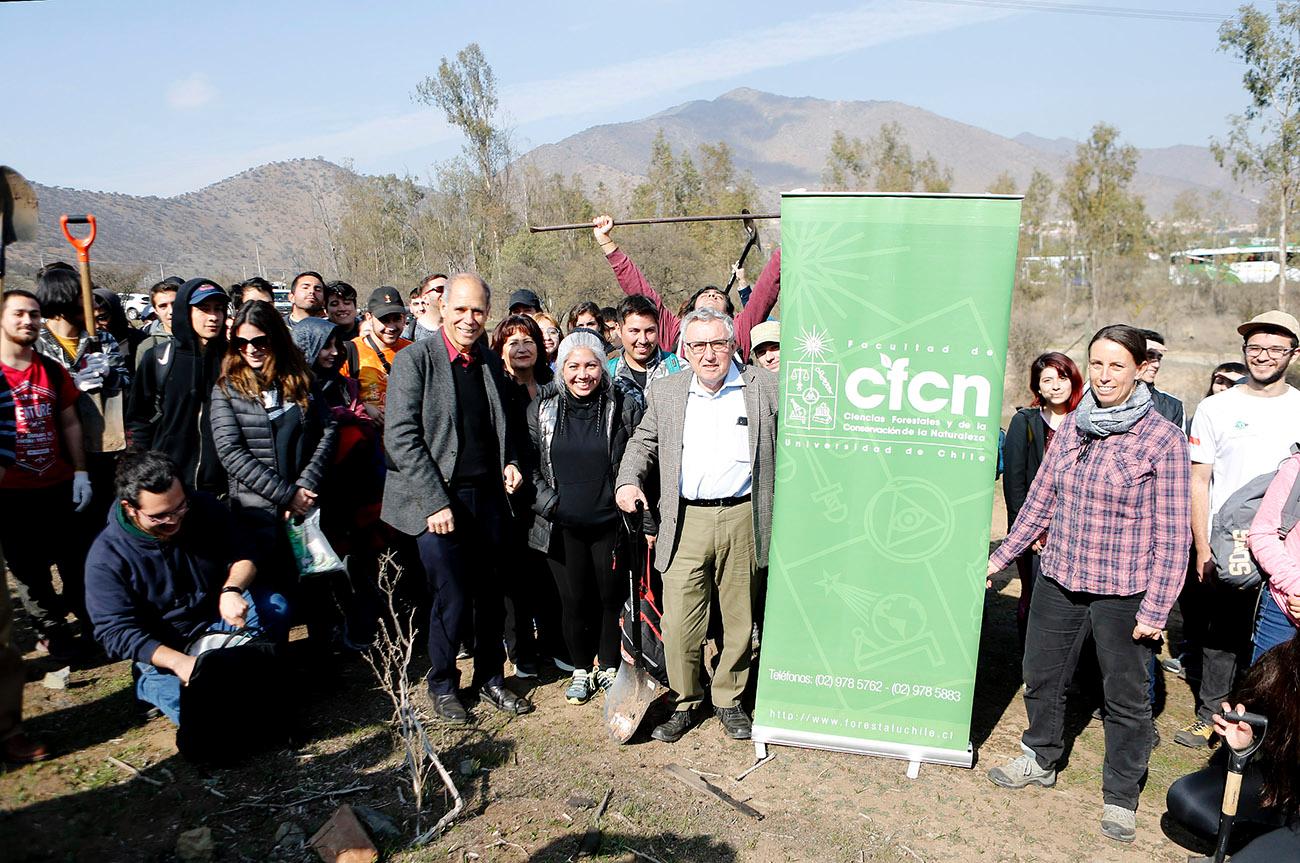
1225	381
257	343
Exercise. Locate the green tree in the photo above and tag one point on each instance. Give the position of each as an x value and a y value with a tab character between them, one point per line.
1263	142
846	164
1109	220
1003	184
1036	210
465	90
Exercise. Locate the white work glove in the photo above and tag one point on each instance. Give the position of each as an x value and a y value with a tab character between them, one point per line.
91	375
81	492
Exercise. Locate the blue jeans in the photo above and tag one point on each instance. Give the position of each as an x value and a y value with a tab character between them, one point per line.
1272	627
162	689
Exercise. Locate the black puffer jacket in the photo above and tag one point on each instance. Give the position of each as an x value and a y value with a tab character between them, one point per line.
245	442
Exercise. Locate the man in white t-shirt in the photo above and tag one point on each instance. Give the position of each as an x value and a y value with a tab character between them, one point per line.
1237	435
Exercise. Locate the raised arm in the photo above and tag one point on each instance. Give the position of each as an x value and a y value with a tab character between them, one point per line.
633	282
766	291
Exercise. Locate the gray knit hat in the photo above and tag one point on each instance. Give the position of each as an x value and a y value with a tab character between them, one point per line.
581	338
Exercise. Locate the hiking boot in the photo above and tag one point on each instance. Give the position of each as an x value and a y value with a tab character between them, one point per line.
672	730
1118	823
580	687
605	679
1196	736
1021	771
735	722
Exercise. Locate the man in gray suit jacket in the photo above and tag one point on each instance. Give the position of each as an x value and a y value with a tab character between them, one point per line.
711	434
453	462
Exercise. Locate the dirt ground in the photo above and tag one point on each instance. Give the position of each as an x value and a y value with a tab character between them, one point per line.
531	784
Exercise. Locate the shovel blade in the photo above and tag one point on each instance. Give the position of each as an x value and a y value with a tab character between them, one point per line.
627	701
19	217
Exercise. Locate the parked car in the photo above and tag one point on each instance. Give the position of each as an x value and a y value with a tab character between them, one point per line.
136	306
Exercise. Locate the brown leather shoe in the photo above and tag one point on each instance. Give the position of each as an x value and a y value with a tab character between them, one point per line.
21	749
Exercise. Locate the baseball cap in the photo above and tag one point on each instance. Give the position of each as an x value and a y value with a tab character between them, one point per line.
524	297
207	291
768	331
385	300
1272	319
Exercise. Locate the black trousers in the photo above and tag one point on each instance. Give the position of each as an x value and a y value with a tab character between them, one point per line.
1228	624
591	592
533	618
1196	799
464	572
39	528
1059	624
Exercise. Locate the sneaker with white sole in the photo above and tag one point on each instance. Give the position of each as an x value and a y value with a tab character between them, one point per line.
1197	735
579	690
1118	823
605	678
1021	771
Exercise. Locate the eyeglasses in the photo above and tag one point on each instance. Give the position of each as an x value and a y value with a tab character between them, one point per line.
1274	353
718	345
257	343
166	517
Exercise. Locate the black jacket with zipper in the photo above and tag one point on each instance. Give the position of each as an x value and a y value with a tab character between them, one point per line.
620	415
168	405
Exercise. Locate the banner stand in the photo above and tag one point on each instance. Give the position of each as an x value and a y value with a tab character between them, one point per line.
894	332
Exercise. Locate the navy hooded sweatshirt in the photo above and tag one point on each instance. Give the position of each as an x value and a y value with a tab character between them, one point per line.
167	409
142	592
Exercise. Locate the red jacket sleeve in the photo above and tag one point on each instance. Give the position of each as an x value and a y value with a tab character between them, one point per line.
761	301
633	283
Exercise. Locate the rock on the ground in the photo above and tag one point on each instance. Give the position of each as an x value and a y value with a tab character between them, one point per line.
195	846
342	839
376	822
290	835
57	679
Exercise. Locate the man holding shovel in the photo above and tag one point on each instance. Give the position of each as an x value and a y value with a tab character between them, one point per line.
711	435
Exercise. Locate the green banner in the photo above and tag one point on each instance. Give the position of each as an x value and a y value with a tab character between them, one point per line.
893	343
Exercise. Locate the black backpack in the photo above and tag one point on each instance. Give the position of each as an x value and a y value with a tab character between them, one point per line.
1230	530
236	704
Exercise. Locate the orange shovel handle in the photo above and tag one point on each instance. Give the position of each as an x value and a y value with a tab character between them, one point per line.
81	244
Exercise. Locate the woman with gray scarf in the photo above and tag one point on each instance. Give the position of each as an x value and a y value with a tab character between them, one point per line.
579	427
1114	495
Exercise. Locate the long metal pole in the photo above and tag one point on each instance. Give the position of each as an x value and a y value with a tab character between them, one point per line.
663	220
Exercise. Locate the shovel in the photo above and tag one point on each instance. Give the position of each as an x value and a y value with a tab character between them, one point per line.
634	689
18	213
1237	762
106	432
751	230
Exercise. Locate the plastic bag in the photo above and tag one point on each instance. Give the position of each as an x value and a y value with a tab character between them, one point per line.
311	550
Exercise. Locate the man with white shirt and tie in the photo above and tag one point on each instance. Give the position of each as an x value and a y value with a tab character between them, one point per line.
711	433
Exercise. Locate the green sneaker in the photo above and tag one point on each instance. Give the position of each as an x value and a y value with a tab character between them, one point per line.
579	691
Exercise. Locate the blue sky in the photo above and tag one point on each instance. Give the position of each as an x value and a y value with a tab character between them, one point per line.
149	97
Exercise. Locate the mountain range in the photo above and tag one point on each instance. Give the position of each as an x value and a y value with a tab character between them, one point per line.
280	211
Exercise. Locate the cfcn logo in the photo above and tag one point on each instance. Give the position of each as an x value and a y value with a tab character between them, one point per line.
927	392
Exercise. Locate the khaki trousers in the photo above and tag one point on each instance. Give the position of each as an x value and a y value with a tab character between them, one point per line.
12	677
715	552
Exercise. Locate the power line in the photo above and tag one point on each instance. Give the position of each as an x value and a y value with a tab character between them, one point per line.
1088	9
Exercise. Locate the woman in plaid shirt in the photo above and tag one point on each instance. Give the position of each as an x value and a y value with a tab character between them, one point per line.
1114	495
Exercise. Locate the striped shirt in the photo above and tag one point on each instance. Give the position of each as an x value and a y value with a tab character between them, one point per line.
1117	511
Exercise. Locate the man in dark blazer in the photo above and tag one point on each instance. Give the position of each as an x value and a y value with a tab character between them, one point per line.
711	434
453	463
